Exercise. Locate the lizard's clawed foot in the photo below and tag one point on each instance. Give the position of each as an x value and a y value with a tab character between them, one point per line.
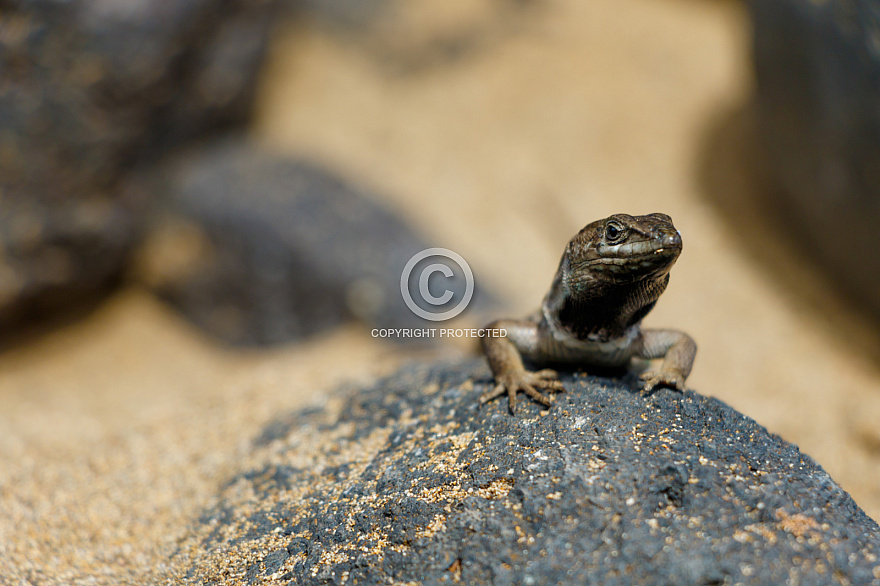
664	378
527	382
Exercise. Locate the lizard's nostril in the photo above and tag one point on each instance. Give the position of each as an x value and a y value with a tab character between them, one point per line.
669	238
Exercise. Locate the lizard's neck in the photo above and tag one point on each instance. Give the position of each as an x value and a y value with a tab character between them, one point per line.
607	312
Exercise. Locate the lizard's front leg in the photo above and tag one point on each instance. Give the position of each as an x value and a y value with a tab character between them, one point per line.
505	359
677	350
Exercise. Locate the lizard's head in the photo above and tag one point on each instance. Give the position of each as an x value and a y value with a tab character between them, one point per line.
624	248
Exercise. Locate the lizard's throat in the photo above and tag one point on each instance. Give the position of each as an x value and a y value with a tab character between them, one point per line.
609	311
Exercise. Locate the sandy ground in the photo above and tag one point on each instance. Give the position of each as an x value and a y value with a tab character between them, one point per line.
499	131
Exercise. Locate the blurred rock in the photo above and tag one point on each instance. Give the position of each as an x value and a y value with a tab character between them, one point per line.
349	15
91	90
407	38
256	248
818	110
412	481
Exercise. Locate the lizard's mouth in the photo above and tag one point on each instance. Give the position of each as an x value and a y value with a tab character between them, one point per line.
638	261
622	258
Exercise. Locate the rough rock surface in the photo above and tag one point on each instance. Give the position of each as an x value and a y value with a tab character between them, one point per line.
258	248
92	90
411	481
818	106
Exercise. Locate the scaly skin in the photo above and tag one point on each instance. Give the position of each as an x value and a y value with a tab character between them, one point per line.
610	277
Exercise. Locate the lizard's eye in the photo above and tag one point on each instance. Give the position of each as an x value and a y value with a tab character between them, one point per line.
613	232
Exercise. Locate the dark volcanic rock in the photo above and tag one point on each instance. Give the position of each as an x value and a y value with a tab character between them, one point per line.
96	95
412	481
258	248
91	90
818	106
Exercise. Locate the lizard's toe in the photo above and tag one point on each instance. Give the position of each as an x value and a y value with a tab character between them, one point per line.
553	385
530	383
668	379
545	380
547	374
537	395
489	395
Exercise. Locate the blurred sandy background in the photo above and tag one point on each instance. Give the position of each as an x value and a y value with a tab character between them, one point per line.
499	129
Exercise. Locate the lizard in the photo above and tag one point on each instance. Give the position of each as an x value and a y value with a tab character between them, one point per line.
611	274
